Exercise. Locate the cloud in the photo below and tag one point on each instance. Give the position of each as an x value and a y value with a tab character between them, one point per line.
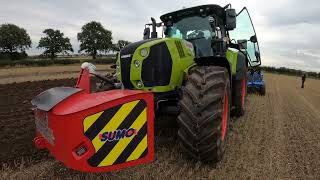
292	12
284	27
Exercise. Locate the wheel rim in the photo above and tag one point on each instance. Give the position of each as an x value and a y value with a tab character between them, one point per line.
243	92
225	115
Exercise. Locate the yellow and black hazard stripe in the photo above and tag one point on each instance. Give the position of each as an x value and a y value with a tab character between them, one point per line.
124	116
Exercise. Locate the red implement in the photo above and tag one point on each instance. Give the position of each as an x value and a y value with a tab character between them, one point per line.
95	132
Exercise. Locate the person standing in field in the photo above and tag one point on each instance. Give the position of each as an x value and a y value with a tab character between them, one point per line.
303	78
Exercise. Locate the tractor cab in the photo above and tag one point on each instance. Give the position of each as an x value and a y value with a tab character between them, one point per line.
203	26
211	29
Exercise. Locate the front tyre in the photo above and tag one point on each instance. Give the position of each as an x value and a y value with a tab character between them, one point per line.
205	113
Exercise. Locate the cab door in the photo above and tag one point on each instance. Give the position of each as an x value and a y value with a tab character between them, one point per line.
245	36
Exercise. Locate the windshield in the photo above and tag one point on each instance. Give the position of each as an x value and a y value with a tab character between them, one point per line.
196	30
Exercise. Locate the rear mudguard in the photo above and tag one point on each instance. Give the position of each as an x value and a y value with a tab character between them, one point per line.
95	132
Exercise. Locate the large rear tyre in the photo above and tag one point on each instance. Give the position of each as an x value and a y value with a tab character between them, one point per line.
240	98
205	113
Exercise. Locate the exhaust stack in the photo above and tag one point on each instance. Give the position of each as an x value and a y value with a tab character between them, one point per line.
154	33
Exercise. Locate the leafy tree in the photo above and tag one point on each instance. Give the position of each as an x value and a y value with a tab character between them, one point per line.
94	37
13	39
54	43
120	44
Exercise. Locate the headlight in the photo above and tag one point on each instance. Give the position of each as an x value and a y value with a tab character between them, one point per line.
144	52
136	63
139	84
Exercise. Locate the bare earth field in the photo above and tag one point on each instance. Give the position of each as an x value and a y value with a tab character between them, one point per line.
10	75
278	138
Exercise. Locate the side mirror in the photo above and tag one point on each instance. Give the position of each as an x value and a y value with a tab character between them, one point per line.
253	39
231	19
146	33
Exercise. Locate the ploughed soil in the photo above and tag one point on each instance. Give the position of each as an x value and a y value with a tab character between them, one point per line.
277	138
16	118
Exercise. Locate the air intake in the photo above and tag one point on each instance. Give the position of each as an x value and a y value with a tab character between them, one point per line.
180	49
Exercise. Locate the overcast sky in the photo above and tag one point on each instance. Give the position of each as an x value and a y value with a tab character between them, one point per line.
287	30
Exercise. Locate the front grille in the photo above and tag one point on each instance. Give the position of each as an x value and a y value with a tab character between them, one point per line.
157	67
125	72
125	62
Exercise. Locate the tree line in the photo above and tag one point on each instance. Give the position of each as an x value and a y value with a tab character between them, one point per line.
289	71
93	38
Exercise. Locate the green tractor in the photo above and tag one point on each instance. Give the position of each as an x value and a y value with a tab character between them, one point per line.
196	75
197	72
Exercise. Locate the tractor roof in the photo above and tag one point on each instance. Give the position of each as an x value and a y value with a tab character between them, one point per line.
198	10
